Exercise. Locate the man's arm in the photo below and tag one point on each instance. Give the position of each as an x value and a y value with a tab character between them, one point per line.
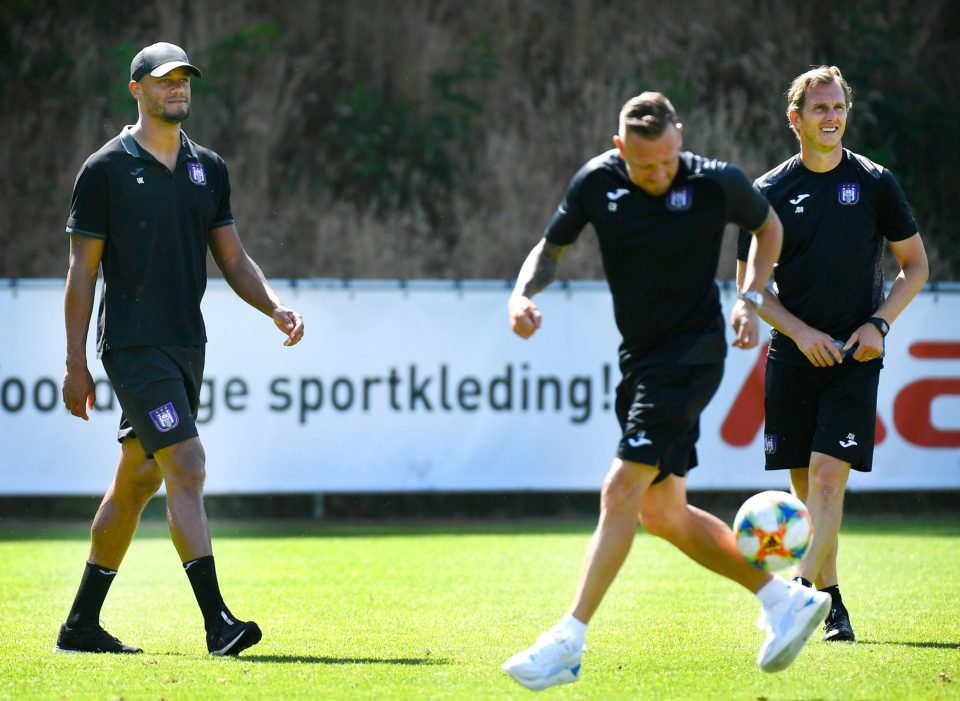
752	276
78	295
912	257
536	273
248	281
817	346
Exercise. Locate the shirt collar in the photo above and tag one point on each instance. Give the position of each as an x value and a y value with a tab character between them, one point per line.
188	149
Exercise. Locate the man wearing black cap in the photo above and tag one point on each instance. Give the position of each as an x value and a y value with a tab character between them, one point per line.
145	208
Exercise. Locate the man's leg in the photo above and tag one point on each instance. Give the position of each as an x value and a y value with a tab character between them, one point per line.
827	574
136	480
555	657
789	613
826	486
827	483
184	470
698	534
620	499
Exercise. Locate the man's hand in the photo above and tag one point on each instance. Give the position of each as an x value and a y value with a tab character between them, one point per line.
868	341
290	323
820	348
78	391
746	324
524	316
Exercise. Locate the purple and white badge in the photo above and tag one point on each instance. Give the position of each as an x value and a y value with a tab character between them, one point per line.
680	199
198	176
165	417
848	193
770	443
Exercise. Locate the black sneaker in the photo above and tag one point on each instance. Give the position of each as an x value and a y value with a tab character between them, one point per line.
232	637
838	628
91	638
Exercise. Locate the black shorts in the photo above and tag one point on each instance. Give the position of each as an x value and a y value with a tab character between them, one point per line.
659	410
159	392
830	410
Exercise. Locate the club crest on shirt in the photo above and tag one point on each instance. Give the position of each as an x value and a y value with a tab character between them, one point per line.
770	443
848	193
198	176
680	199
165	417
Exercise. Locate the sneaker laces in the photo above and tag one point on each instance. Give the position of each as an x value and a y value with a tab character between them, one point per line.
562	639
103	632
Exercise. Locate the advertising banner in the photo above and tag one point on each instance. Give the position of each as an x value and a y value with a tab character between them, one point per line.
422	387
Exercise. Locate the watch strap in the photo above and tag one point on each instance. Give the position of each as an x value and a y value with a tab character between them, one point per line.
882	326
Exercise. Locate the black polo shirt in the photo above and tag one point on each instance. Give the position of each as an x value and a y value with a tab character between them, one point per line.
830	272
660	254
156	225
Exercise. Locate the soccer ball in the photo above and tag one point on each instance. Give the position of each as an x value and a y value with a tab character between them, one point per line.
773	530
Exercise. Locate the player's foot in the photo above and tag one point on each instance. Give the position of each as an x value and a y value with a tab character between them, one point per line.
789	624
553	659
91	638
838	628
230	637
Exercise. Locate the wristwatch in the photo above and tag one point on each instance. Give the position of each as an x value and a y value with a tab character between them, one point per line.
882	326
755	298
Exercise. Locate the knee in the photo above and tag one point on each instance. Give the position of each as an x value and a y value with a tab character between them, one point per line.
619	493
146	481
184	466
657	520
828	481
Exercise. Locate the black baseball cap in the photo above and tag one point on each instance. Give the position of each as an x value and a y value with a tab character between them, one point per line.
159	59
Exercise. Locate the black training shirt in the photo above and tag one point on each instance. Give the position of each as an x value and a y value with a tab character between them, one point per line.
660	253
156	226
830	272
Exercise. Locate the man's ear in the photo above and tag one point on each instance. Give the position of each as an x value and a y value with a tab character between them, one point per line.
794	118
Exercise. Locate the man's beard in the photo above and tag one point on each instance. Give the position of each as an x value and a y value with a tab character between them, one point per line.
175	117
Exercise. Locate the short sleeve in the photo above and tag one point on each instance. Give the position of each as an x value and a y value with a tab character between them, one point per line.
224	215
894	219
89	205
569	218
746	205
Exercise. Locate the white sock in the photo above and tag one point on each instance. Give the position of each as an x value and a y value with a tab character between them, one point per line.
773	592
576	627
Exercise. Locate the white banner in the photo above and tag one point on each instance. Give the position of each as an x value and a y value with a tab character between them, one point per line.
423	387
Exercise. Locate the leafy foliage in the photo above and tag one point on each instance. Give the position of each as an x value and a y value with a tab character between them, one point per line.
432	138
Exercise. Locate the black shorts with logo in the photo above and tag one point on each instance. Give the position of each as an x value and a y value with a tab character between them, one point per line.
831	410
659	409
159	391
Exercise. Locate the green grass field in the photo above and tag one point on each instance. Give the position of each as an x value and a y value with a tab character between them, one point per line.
430	612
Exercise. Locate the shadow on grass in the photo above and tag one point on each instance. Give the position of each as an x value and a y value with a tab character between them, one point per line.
323	659
935	646
315	659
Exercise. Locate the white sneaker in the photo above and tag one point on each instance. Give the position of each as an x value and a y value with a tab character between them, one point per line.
553	659
789	624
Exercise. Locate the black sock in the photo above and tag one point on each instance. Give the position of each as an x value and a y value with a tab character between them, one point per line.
202	574
94	586
805	582
837	600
